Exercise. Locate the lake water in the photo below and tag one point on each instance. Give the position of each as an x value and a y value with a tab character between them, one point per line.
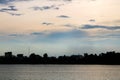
59	72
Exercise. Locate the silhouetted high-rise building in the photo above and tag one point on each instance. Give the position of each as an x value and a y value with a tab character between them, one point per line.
8	54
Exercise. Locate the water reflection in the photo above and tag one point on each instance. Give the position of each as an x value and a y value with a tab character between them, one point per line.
59	72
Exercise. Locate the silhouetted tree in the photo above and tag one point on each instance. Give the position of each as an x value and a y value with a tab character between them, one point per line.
45	55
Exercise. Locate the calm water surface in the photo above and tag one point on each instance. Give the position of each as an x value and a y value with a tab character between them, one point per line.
59	72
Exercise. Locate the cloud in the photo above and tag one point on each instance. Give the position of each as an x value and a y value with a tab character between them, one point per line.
60	34
15	35
67	0
87	26
63	16
57	36
92	20
69	25
68	34
15	14
62	0
37	33
47	23
10	10
54	7
4	2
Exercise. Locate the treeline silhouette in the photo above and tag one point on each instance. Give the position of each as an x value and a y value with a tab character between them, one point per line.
112	58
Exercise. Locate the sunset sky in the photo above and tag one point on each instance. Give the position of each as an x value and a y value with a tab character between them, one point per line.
59	27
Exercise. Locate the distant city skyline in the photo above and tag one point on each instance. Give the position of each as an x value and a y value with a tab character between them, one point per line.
59	27
108	58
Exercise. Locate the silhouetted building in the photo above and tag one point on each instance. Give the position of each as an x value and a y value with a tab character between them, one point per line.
8	54
20	55
111	58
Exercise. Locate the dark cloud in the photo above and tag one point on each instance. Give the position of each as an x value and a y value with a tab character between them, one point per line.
9	1
15	35
54	7
100	26
63	16
37	33
92	20
69	25
10	10
61	0
5	1
13	14
47	23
